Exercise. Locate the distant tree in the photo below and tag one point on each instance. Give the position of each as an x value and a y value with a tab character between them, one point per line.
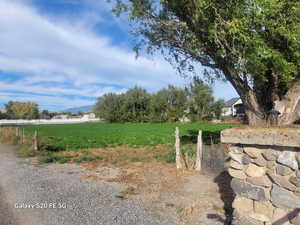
45	114
53	114
217	108
9	111
109	107
22	110
3	116
159	106
168	104
200	100
176	104
136	105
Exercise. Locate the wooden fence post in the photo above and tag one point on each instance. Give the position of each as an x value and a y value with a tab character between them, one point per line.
198	166
35	141
177	147
23	136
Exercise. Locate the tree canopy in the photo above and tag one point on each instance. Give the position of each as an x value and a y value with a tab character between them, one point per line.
170	104
22	110
254	44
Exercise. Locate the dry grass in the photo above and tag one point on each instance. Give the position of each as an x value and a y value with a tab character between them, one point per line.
8	135
164	189
121	156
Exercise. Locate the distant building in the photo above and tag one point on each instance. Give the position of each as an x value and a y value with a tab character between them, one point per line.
234	107
61	117
89	116
3	111
184	119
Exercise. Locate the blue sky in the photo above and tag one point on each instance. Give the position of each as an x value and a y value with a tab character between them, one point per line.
66	53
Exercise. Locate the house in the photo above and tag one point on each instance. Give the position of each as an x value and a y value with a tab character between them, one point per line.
233	107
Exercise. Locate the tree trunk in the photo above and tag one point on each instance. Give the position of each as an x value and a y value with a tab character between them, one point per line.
254	119
253	110
289	106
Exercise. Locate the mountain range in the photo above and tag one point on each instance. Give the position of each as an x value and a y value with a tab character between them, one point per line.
84	109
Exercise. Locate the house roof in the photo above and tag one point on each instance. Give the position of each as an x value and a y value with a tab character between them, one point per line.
230	102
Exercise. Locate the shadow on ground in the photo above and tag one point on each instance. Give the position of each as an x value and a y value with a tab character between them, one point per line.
6	213
223	180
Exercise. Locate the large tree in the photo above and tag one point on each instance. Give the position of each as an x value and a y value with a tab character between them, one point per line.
254	44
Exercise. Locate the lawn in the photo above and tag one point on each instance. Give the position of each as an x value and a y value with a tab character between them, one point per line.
102	135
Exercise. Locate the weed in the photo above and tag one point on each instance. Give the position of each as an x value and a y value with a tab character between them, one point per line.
170	157
48	159
119	196
170	205
85	152
52	158
64	159
87	159
179	209
129	191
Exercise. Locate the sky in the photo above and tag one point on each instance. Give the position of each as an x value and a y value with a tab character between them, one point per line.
67	53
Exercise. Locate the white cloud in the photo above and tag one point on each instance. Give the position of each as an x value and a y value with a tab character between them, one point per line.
44	49
50	102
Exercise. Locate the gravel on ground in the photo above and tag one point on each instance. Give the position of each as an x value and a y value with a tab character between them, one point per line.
58	195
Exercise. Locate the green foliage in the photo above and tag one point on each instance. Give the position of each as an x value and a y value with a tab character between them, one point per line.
254	44
170	157
109	107
3	116
200	100
167	105
136	105
133	106
22	110
217	108
102	135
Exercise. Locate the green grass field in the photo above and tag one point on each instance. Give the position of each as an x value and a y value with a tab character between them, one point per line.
102	135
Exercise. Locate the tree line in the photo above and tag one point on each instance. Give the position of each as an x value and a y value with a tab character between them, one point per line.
25	110
171	104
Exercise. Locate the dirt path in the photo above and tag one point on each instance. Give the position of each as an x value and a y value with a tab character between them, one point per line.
67	198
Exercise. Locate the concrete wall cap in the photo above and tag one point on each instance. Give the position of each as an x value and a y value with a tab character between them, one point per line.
289	137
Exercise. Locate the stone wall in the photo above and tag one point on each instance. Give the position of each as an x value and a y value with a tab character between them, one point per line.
264	164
